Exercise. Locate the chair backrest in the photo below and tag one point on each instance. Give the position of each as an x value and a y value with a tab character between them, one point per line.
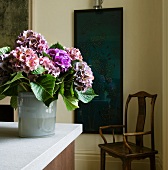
141	116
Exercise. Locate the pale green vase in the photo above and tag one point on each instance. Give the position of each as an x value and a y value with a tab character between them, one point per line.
35	119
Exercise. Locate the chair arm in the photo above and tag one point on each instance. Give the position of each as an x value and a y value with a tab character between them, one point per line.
133	134
109	127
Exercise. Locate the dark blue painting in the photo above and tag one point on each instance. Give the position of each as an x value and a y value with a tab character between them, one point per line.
99	36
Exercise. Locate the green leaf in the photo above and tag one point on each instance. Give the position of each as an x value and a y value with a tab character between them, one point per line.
15	77
70	102
44	87
57	45
47	102
4	50
39	70
86	96
13	102
55	97
10	88
2	88
2	97
46	55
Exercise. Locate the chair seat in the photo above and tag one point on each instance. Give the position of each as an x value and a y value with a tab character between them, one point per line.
118	149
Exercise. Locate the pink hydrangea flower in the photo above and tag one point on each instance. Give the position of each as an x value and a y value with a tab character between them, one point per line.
74	53
23	59
49	66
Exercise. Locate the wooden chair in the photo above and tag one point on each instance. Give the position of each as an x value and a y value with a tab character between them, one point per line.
128	151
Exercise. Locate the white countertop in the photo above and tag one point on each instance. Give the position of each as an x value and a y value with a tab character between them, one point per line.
33	153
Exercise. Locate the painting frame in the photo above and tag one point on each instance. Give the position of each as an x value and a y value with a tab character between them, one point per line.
99	36
16	16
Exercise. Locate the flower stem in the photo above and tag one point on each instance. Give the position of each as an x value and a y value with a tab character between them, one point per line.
24	87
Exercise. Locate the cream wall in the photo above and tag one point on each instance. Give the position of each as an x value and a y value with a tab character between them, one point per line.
165	85
142	61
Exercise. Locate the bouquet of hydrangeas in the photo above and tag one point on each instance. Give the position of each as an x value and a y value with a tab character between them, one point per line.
46	71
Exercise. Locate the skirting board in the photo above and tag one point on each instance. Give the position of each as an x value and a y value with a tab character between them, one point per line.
92	162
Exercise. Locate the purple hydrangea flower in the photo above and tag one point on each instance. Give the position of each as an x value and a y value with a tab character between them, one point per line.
60	59
83	76
32	40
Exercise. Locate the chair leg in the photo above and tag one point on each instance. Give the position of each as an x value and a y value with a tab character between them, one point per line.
152	163
126	164
103	159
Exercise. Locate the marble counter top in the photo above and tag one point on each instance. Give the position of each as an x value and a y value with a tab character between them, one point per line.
33	153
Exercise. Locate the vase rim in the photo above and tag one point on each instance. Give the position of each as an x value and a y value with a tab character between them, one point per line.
26	94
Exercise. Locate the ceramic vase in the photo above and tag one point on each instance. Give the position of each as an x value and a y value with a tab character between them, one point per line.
35	118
